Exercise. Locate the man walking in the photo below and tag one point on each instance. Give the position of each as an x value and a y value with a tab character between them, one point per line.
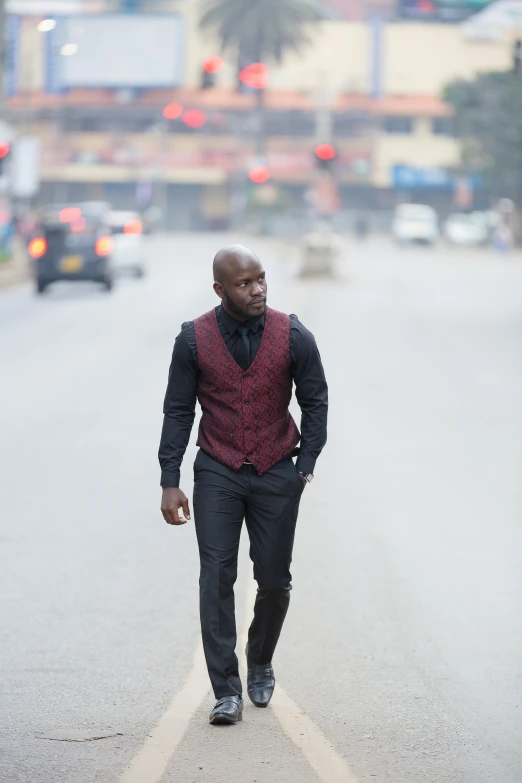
240	361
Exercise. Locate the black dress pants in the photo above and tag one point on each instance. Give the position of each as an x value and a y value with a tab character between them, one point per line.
269	504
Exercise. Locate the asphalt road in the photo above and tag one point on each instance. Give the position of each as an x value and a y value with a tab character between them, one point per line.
402	653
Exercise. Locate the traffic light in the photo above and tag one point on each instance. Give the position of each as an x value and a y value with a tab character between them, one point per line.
259	174
254	76
5	150
194	118
173	111
211	66
251	77
325	156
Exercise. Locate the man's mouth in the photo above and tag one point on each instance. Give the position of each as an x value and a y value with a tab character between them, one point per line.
258	301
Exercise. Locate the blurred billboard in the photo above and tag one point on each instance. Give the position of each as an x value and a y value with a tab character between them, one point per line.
440	10
115	51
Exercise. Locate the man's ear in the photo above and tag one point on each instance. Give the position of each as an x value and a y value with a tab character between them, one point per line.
220	291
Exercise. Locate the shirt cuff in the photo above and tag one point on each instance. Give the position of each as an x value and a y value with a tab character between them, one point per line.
170	478
305	464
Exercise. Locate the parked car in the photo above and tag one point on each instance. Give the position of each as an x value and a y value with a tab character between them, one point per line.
71	246
415	223
129	249
467	229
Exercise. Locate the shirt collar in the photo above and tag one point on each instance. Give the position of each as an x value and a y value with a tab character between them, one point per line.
231	325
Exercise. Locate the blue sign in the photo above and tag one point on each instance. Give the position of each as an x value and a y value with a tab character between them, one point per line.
433	177
428	177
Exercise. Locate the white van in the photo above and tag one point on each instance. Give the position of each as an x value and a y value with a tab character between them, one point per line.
128	254
415	223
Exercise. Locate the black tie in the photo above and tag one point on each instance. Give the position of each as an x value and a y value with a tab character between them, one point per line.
243	347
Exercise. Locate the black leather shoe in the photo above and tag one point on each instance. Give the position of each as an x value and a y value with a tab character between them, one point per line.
260	683
227	710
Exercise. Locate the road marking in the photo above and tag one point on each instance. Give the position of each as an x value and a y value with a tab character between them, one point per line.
328	765
150	763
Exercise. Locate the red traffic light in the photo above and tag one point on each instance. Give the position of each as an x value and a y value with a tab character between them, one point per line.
70	215
254	76
259	174
172	111
325	152
194	118
5	148
213	64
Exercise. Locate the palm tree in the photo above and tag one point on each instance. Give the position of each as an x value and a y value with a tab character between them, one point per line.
261	31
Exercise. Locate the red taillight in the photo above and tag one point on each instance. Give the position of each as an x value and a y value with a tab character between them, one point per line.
133	227
103	246
37	247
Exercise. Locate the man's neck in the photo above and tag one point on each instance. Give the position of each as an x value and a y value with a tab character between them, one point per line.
240	318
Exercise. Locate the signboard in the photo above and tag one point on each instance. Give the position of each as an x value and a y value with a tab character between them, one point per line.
428	177
25	167
440	10
408	177
115	51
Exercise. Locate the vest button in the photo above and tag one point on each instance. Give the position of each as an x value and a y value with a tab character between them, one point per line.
246	375
247	429
247	402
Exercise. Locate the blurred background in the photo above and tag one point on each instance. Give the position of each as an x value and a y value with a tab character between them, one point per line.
210	117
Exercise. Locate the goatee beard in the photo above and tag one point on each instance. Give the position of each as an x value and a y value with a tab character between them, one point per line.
234	309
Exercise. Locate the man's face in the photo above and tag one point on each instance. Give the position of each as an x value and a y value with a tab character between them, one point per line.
243	289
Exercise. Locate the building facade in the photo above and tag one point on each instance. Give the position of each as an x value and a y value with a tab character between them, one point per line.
372	88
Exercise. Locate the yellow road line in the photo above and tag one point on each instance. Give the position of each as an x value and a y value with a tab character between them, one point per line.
328	765
150	763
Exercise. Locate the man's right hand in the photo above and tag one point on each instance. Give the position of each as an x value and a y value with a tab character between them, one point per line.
172	500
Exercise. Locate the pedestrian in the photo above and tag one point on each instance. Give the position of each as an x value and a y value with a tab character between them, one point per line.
502	238
361	226
240	360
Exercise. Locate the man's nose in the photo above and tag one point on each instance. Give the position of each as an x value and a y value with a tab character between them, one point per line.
259	288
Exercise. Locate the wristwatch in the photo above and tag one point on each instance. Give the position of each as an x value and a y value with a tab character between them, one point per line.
308	477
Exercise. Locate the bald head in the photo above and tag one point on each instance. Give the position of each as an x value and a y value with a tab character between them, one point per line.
239	281
231	261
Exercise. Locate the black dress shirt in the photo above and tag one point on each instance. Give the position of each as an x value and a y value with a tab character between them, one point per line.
179	407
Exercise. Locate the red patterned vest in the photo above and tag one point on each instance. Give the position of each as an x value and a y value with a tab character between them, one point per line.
245	413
